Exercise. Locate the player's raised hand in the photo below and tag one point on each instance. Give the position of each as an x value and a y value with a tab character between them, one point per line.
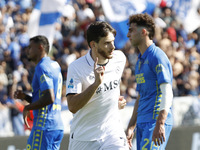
99	72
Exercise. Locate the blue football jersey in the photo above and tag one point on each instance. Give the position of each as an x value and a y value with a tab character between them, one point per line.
47	76
152	69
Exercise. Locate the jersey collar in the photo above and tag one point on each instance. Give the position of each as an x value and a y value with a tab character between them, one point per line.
44	58
89	59
150	48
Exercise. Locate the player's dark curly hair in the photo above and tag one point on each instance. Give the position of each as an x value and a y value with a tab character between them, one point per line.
41	40
98	30
144	20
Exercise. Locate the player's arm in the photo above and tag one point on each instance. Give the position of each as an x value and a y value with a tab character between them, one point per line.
47	98
19	94
77	101
132	123
166	102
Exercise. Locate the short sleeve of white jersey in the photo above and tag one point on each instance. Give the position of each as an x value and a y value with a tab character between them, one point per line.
73	84
122	57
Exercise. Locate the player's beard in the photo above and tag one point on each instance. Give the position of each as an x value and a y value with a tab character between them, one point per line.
104	54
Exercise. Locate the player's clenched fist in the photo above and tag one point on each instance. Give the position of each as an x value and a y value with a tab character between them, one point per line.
19	94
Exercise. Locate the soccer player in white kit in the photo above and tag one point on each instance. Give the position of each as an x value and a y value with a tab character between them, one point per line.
93	91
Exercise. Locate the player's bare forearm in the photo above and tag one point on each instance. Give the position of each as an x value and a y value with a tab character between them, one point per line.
132	122
77	101
159	130
47	98
162	117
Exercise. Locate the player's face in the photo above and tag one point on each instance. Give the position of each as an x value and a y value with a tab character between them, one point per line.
134	34
106	46
33	51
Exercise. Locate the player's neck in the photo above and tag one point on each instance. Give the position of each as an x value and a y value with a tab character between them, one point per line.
101	60
39	58
143	47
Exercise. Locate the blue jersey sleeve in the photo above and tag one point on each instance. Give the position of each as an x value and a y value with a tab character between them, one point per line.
45	79
161	66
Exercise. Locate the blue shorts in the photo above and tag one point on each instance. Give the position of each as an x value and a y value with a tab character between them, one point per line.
43	139
144	136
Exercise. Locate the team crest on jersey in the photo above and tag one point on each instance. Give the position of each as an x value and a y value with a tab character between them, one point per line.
43	78
71	83
91	77
160	68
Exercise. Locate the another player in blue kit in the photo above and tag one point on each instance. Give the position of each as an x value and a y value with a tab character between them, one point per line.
152	116
47	131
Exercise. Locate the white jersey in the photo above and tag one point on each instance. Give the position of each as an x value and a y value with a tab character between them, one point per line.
100	116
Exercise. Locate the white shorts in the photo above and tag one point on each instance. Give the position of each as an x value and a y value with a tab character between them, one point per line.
109	143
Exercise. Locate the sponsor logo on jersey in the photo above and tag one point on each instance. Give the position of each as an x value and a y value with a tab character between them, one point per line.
108	86
140	78
71	83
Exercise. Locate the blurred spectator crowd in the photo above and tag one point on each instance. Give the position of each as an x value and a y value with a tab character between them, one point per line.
16	71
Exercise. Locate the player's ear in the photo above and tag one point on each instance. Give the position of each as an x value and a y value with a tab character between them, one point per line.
144	31
41	47
93	44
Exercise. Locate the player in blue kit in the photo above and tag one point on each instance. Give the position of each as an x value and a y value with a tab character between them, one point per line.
47	131
152	116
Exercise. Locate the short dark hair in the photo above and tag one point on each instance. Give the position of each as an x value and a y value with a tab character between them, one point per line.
144	20
98	30
40	39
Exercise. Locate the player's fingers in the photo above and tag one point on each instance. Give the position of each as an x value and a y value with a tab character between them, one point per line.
95	63
15	94
100	70
124	101
130	136
161	140
124	104
155	140
121	98
25	121
130	143
158	141
29	115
